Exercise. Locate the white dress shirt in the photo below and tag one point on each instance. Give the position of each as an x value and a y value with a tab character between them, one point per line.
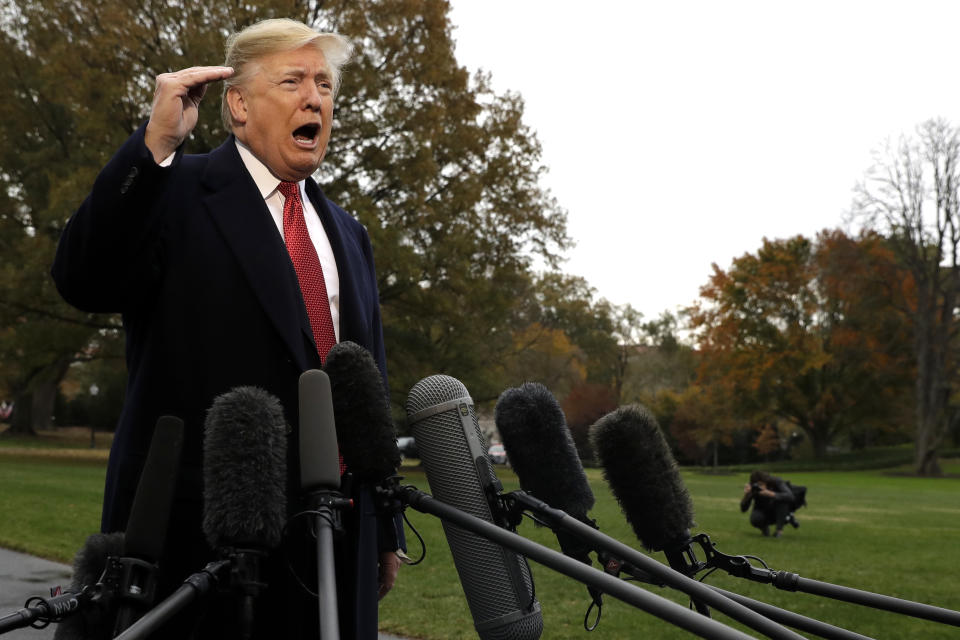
267	183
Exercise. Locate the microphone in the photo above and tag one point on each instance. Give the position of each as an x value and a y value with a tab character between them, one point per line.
643	476
497	582
123	566
320	481
91	623
148	522
364	427
319	463
534	430
244	476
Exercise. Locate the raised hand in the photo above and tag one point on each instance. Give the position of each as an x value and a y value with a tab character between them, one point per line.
174	112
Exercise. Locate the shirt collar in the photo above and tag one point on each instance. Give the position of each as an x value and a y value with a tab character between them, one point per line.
265	180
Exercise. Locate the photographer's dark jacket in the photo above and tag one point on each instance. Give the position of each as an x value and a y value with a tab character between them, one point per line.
765	503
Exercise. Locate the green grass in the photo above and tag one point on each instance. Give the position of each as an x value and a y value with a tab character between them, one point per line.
74	438
49	504
873	530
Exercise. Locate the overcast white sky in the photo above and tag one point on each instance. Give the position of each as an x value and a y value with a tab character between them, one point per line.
680	133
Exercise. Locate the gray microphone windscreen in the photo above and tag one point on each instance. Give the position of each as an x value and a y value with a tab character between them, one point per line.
319	460
497	582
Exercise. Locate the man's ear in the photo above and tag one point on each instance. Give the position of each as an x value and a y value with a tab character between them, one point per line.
237	104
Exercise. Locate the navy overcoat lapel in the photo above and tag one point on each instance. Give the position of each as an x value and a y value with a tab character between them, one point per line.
239	212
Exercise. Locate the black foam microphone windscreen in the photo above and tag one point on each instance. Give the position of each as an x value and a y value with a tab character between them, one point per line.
643	476
544	457
497	582
244	470
92	623
541	449
365	430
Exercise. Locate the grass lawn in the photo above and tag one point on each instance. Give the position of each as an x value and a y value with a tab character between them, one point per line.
872	530
50	504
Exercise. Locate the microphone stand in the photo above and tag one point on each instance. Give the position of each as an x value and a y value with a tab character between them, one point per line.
631	594
325	506
126	581
38	612
793	619
740	567
517	501
615	566
193	588
134	582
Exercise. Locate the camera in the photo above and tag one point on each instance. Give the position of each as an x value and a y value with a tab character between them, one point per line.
756	487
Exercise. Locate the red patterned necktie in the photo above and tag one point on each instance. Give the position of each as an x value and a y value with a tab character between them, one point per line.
309	273
307	265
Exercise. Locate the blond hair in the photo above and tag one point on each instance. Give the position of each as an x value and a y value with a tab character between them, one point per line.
273	36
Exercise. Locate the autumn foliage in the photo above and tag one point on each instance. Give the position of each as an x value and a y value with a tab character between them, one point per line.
585	404
810	332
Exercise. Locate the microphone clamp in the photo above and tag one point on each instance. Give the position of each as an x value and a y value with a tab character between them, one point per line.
132	580
740	567
386	496
326	505
330	499
508	510
682	555
244	570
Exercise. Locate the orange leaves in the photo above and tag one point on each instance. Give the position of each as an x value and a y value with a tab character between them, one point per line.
809	331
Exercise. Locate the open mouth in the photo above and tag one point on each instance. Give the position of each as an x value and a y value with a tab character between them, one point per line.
307	134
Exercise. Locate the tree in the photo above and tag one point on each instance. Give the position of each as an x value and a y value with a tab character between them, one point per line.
546	356
794	332
911	195
660	362
768	440
446	177
52	124
440	169
584	405
702	421
568	304
867	293
627	331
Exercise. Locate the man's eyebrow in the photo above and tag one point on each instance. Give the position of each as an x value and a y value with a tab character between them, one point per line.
293	71
300	72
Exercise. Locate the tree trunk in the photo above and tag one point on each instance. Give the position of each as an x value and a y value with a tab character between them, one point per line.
33	408
819	441
929	464
20	423
44	396
932	390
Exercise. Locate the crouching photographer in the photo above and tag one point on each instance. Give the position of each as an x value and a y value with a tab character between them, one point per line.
774	501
